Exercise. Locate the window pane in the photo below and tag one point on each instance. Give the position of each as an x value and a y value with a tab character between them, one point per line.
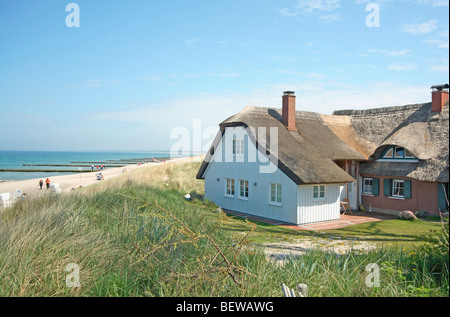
408	154
398	188
389	154
399	152
322	191
367	189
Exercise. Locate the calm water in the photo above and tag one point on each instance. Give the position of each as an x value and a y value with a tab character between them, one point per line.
15	159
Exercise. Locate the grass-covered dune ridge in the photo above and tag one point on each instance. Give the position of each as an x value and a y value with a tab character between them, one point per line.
136	235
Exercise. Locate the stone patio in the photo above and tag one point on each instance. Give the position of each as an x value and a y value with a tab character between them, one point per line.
346	220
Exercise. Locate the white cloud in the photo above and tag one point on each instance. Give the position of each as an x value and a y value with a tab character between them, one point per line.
390	52
151	124
434	3
282	58
420	28
324	9
170	77
328	18
312	6
99	83
403	66
439	68
287	12
438	43
192	41
322	96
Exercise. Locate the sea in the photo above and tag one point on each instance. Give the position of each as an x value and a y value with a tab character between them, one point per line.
24	160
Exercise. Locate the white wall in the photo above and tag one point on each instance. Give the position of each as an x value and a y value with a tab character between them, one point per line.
298	206
310	210
225	166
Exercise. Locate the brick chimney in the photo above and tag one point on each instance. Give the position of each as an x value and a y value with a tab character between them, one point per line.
288	111
439	96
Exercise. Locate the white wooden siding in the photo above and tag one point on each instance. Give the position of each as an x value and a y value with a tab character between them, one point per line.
241	168
311	211
297	206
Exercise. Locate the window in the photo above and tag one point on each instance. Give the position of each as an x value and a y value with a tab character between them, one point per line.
230	187
319	192
238	147
275	193
243	189
397	152
408	154
368	186
398	188
389	153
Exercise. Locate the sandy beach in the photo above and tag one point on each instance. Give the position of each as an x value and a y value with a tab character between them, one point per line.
68	182
30	187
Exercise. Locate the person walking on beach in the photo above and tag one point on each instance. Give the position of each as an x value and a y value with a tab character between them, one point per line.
41	183
92	167
47	182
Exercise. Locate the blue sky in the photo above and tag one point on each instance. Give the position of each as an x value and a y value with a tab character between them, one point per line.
133	71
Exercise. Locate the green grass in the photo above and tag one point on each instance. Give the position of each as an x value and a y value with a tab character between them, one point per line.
395	232
136	235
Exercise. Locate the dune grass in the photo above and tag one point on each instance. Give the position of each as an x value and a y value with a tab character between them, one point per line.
136	235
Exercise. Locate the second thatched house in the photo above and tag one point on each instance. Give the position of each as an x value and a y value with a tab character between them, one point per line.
298	167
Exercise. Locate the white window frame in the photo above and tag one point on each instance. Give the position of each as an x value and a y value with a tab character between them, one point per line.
319	191
230	188
364	186
238	147
395	183
243	188
278	194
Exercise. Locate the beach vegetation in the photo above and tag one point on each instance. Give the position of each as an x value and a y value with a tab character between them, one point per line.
137	235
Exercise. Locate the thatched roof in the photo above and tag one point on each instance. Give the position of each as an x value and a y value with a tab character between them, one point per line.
308	156
305	156
414	127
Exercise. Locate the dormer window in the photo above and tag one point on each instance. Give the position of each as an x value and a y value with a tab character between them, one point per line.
397	153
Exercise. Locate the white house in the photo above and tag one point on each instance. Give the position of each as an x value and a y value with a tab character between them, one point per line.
296	166
259	164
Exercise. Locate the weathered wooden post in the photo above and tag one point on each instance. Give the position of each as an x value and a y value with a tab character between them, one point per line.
301	288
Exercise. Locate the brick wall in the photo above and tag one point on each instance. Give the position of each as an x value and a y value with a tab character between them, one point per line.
424	197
